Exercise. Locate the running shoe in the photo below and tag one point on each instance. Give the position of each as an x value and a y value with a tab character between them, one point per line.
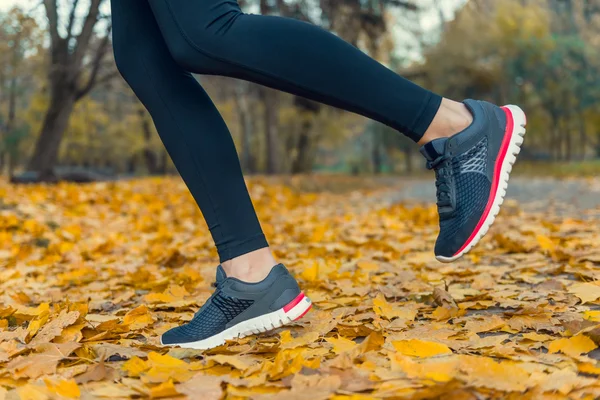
237	309
472	170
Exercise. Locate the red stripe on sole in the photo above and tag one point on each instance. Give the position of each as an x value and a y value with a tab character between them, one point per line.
294	302
510	125
304	313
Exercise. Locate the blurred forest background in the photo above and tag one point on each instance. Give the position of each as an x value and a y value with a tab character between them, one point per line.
63	106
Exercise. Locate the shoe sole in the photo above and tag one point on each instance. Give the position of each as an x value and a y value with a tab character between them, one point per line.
293	311
511	147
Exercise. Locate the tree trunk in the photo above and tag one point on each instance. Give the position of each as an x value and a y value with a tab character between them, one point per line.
568	143
302	163
270	125
164	162
408	153
149	156
12	101
56	121
376	156
70	57
555	137
582	136
245	117
12	164
10	121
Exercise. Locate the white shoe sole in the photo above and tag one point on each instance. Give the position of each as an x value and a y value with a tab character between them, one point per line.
295	310
519	121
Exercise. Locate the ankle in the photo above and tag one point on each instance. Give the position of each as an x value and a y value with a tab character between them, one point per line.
251	267
452	118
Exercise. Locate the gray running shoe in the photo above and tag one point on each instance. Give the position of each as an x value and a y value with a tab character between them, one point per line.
237	309
472	170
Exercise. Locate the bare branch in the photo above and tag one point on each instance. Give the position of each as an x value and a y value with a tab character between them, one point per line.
95	65
409	5
72	20
87	31
52	14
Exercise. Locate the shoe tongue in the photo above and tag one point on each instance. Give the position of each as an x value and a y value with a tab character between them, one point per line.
434	149
221	275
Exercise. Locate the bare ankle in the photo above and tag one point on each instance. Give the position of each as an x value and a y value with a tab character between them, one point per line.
250	267
451	118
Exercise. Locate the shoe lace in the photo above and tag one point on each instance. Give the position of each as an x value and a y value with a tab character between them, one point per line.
443	183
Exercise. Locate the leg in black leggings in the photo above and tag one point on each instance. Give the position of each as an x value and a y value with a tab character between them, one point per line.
214	37
157	42
190	126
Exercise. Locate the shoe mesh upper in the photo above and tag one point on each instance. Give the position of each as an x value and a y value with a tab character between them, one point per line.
211	320
472	193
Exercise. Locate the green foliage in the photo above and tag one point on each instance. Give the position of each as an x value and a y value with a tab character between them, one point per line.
530	53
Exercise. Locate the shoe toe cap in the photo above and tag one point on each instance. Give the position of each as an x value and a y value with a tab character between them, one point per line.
174	336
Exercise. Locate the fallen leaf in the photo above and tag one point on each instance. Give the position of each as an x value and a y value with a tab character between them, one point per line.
209	386
573	346
64	388
420	348
165	389
55	327
341	344
387	310
587	292
44	362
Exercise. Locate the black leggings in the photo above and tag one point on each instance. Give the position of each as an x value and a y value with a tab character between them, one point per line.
158	43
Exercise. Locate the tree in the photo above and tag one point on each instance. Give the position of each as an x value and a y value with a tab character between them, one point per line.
18	34
76	65
361	23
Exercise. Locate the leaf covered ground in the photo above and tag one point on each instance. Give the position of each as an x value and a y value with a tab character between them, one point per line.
93	274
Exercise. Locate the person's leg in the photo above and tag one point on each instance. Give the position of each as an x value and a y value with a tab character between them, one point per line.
215	37
471	145
195	136
245	301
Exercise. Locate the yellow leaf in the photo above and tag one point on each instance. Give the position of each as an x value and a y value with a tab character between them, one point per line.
311	274
301	341
444	313
489	373
45	362
285	337
156	359
165	389
588	368
33	392
487	324
573	346
166	367
587	292
367	266
138	318
389	311
341	344
37	323
135	366
441	370
546	243
236	362
288	362
318	233
536	337
592	315
420	348
55	327
64	388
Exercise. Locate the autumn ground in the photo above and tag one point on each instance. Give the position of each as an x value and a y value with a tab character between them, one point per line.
93	274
